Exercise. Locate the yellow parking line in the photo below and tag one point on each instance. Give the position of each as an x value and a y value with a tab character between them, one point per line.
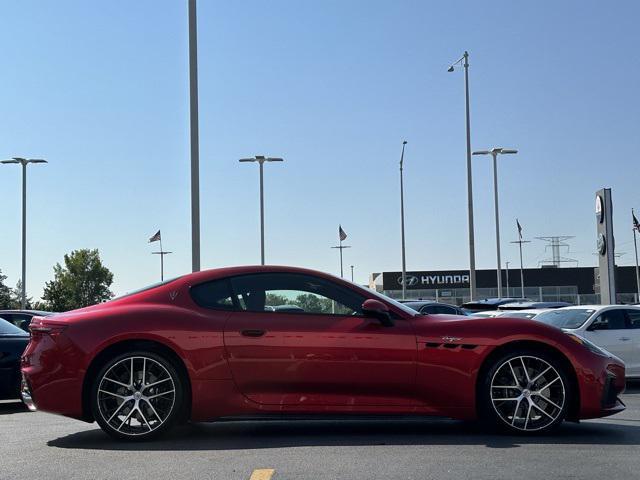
262	474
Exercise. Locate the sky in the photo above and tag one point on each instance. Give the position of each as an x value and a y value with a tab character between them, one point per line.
101	90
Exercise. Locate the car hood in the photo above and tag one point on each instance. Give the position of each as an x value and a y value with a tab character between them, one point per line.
482	331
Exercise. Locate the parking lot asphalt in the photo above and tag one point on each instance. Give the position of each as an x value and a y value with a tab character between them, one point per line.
43	446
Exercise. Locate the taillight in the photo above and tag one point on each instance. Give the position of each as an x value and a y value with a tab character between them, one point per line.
39	326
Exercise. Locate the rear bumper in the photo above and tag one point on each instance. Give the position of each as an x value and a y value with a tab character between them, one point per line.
52	376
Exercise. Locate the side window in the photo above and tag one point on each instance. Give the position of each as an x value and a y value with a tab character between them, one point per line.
634	318
429	309
215	294
610	320
294	293
446	310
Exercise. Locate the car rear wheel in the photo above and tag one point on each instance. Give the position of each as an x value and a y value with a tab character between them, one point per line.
137	396
525	392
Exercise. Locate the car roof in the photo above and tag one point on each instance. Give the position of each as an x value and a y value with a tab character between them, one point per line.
526	310
28	312
598	307
521	305
422	303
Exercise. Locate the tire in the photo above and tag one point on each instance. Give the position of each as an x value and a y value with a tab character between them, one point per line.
524	391
137	407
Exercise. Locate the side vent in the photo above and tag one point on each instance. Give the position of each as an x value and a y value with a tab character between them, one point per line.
450	346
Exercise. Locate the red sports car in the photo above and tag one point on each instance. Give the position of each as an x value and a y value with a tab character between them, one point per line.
212	346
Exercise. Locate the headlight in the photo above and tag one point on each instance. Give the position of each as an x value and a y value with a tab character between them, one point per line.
592	347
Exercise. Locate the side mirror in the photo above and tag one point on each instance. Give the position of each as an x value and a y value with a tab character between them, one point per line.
376	309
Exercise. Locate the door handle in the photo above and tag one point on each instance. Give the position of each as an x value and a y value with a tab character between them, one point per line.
253	333
624	339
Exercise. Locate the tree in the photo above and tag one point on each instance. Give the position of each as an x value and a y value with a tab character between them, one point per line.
16	298
83	281
5	293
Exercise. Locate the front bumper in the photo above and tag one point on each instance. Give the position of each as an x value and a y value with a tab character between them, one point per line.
600	387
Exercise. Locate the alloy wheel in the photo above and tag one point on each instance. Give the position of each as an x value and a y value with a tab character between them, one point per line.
136	395
527	393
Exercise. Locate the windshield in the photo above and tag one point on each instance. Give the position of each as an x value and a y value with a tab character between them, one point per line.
7	328
569	318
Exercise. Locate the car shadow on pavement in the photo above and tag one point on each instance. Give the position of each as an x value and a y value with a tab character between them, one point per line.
12	407
248	435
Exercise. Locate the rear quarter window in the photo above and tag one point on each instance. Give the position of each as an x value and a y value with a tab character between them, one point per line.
215	295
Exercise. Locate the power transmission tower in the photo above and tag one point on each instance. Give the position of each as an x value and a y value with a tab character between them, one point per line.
555	243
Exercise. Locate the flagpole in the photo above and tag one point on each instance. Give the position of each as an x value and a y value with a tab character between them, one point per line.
341	236
635	246
521	271
158	238
161	261
520	241
341	272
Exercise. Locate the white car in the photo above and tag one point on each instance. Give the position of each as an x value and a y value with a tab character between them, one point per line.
529	313
485	314
615	328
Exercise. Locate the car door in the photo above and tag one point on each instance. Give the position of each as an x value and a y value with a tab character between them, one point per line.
610	330
328	354
633	317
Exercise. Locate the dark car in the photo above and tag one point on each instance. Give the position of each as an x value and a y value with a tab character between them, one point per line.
22	318
426	307
489	303
528	305
13	341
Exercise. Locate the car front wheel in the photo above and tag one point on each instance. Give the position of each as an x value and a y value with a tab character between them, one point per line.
137	396
525	392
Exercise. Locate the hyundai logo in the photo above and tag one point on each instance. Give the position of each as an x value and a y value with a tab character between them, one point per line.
412	280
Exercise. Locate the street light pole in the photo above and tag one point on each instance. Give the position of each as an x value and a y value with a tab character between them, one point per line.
352	273
494	153
472	248
24	162
404	259
261	159
195	149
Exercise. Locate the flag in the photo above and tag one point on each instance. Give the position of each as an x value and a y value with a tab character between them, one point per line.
155	238
519	229
341	234
636	223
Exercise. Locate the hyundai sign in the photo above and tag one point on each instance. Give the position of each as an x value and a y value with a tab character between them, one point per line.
428	280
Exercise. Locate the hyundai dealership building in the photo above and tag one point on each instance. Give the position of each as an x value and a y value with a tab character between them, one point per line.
579	285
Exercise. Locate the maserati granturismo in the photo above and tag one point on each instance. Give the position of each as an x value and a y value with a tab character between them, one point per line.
213	346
